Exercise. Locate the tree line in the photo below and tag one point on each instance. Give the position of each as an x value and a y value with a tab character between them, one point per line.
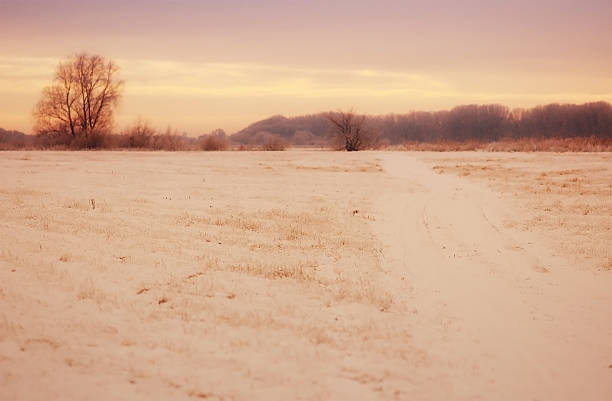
468	122
494	122
77	109
485	123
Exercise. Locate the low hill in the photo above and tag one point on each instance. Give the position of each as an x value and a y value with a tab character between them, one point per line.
307	130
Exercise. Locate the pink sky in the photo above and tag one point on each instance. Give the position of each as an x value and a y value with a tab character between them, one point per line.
200	65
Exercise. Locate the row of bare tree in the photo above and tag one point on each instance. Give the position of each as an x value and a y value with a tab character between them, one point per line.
494	122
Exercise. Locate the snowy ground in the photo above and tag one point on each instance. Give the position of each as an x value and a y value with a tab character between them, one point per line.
305	275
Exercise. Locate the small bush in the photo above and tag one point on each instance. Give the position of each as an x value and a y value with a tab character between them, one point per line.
265	140
138	135
275	143
215	141
168	141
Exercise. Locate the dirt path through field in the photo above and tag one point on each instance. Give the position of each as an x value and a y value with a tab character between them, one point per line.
499	316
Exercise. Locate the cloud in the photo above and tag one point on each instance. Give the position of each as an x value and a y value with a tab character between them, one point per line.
153	77
167	78
22	74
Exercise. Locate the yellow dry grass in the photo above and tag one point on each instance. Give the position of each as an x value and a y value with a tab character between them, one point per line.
576	144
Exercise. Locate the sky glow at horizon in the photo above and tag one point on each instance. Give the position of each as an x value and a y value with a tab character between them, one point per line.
199	65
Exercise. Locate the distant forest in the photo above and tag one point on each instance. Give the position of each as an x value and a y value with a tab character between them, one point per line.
470	122
483	123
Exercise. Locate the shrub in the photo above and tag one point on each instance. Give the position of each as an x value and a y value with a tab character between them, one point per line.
138	135
215	141
167	141
275	143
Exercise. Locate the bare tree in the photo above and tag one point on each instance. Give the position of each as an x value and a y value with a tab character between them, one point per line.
350	130
80	103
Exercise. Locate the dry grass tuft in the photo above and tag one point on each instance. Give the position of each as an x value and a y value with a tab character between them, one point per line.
363	291
301	271
89	291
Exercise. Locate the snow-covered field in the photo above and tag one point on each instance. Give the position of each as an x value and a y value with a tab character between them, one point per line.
305	275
